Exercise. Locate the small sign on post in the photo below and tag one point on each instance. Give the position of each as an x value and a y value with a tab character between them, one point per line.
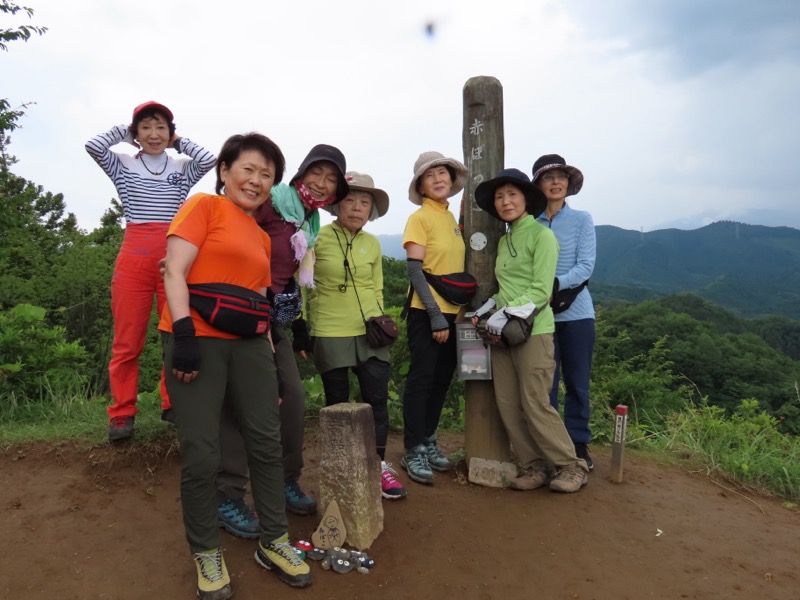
617	450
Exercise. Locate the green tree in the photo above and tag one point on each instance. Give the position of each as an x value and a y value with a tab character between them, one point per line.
19	32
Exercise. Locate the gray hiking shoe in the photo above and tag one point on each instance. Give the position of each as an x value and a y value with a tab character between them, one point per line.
569	479
121	429
436	460
415	462
534	477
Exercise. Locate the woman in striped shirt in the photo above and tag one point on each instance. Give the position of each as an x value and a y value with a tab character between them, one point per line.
151	186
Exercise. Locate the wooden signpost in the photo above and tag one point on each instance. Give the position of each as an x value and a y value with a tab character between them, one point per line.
484	149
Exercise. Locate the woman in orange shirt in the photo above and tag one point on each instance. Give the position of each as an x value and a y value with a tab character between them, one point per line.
215	239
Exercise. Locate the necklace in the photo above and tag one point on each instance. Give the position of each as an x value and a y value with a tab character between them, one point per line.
166	160
346	264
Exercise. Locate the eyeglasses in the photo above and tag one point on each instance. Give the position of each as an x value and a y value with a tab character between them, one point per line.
554	176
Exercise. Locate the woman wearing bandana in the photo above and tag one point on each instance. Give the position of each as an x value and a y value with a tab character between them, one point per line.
291	218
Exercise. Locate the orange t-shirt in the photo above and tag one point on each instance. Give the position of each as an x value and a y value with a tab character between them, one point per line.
232	248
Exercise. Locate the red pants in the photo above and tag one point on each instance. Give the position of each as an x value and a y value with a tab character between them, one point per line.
136	280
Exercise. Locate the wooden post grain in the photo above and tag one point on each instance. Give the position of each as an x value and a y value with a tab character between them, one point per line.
618	449
484	149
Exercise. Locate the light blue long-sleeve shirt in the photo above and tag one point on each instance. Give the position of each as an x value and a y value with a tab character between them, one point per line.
574	230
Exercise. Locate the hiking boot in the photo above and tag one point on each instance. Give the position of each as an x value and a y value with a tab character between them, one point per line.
415	462
569	479
436	460
120	429
213	581
238	519
534	477
391	489
297	501
582	451
168	416
279	555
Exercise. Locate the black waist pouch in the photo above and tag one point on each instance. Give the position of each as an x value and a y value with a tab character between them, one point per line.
456	288
231	308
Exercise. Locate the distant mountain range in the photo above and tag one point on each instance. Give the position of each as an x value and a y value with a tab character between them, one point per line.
752	269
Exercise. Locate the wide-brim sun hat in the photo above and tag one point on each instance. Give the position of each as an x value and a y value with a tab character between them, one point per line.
333	155
535	200
548	162
154	105
430	159
361	182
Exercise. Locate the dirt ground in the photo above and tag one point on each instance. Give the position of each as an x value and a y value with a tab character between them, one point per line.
104	522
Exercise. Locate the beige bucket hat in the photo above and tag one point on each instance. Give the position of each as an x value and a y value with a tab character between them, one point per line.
361	182
430	159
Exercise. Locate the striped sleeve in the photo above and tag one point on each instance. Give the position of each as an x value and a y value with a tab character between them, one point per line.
202	161
99	148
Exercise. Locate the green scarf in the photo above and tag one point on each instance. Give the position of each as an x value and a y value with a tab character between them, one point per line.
288	205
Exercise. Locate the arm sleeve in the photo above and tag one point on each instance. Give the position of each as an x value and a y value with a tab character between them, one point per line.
586	254
202	160
420	285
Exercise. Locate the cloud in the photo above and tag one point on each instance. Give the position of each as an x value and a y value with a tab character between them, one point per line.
688	38
673	110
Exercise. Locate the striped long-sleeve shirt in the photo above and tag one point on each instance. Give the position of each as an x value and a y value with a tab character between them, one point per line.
154	195
575	233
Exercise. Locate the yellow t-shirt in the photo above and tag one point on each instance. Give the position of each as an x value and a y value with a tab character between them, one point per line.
435	227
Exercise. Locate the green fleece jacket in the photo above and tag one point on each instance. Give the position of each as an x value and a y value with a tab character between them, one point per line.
525	268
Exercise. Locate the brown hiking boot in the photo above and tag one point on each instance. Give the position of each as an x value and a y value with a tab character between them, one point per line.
534	477
569	479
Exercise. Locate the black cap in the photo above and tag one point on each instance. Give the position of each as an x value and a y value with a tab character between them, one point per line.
535	200
331	154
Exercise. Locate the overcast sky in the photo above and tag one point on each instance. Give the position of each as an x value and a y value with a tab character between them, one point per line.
679	112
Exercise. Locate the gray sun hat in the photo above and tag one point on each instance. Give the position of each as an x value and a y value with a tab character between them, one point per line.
548	162
430	159
361	182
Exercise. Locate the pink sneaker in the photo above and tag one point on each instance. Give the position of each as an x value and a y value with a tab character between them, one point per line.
391	489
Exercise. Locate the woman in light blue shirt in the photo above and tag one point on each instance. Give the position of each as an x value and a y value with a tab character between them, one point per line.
574	336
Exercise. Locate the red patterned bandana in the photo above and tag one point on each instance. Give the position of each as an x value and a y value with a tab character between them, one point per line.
309	200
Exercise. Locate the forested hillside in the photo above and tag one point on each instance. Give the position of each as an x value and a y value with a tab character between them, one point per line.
752	269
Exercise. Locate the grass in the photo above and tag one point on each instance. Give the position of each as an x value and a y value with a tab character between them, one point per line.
746	448
73	417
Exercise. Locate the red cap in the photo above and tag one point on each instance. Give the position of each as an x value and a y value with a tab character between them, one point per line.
622	409
152	104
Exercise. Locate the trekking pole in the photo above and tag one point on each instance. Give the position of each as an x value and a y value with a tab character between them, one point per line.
617	450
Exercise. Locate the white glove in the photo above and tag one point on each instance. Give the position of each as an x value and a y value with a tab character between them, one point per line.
496	323
487	306
523	312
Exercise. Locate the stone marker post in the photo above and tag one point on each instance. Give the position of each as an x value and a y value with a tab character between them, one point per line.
484	149
617	450
350	470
